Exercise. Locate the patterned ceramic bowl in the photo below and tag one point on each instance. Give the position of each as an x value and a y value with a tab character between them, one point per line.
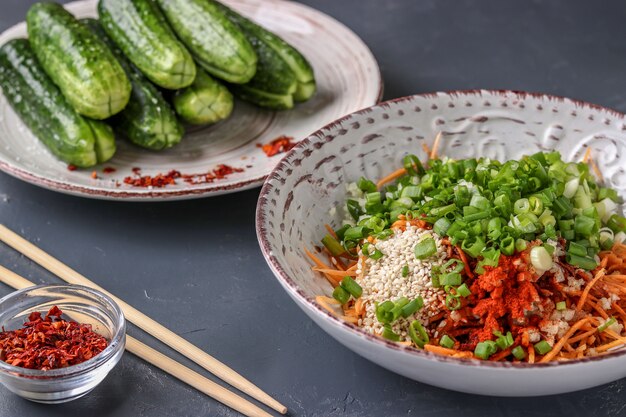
297	197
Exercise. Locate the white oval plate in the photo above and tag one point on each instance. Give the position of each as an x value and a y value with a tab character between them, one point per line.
296	199
348	79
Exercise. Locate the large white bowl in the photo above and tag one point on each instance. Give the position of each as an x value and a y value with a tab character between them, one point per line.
295	201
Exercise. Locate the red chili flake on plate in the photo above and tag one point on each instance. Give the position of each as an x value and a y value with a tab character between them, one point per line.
108	170
279	145
94	175
50	342
71	167
163	180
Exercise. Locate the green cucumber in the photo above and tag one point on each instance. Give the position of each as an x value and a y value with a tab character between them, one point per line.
294	60
216	43
203	102
47	113
140	30
78	62
148	120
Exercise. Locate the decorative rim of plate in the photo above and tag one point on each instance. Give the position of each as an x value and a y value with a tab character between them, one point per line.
312	305
205	190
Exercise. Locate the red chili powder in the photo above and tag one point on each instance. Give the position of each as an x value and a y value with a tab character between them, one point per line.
163	180
279	145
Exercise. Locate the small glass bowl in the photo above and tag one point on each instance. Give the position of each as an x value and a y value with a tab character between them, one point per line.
80	304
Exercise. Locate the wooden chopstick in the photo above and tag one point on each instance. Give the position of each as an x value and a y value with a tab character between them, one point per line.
167	364
142	321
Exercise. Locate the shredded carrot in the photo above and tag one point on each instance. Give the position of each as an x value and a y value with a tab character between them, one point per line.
433	153
359	307
587	155
501	355
323	301
467	268
591	283
316	260
559	345
607	346
582	336
620	311
440	350
531	354
426	149
352	320
330	230
394	175
334	272
596	170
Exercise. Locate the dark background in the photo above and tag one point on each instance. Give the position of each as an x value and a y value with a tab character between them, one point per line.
195	266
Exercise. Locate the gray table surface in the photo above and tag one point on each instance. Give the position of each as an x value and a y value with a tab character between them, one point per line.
195	266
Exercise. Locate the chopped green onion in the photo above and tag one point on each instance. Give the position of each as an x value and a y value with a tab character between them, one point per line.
485	349
434	279
584	226
542	347
519	352
351	286
473	246
453	265
520	245
503	341
375	254
418	334
561	305
453	302
425	248
442	211
446	341
617	223
354	233
412	307
521	206
452	278
540	259
383	311
611	321
583	262
389	334
354	208
413	165
405	271
366	185
396	311
463	291
333	246
507	246
441	226
341	295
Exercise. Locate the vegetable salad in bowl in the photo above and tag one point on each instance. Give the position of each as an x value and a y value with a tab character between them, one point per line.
519	260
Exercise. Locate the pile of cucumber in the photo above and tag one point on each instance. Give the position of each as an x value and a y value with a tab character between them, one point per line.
141	71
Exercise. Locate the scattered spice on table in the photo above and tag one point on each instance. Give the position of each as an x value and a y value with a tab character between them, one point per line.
108	170
279	145
50	342
94	175
163	180
71	167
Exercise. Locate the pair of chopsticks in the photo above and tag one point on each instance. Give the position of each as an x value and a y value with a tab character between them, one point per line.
157	330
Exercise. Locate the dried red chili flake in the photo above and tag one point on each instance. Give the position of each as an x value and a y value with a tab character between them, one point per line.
50	342
163	180
108	170
94	175
279	145
71	167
